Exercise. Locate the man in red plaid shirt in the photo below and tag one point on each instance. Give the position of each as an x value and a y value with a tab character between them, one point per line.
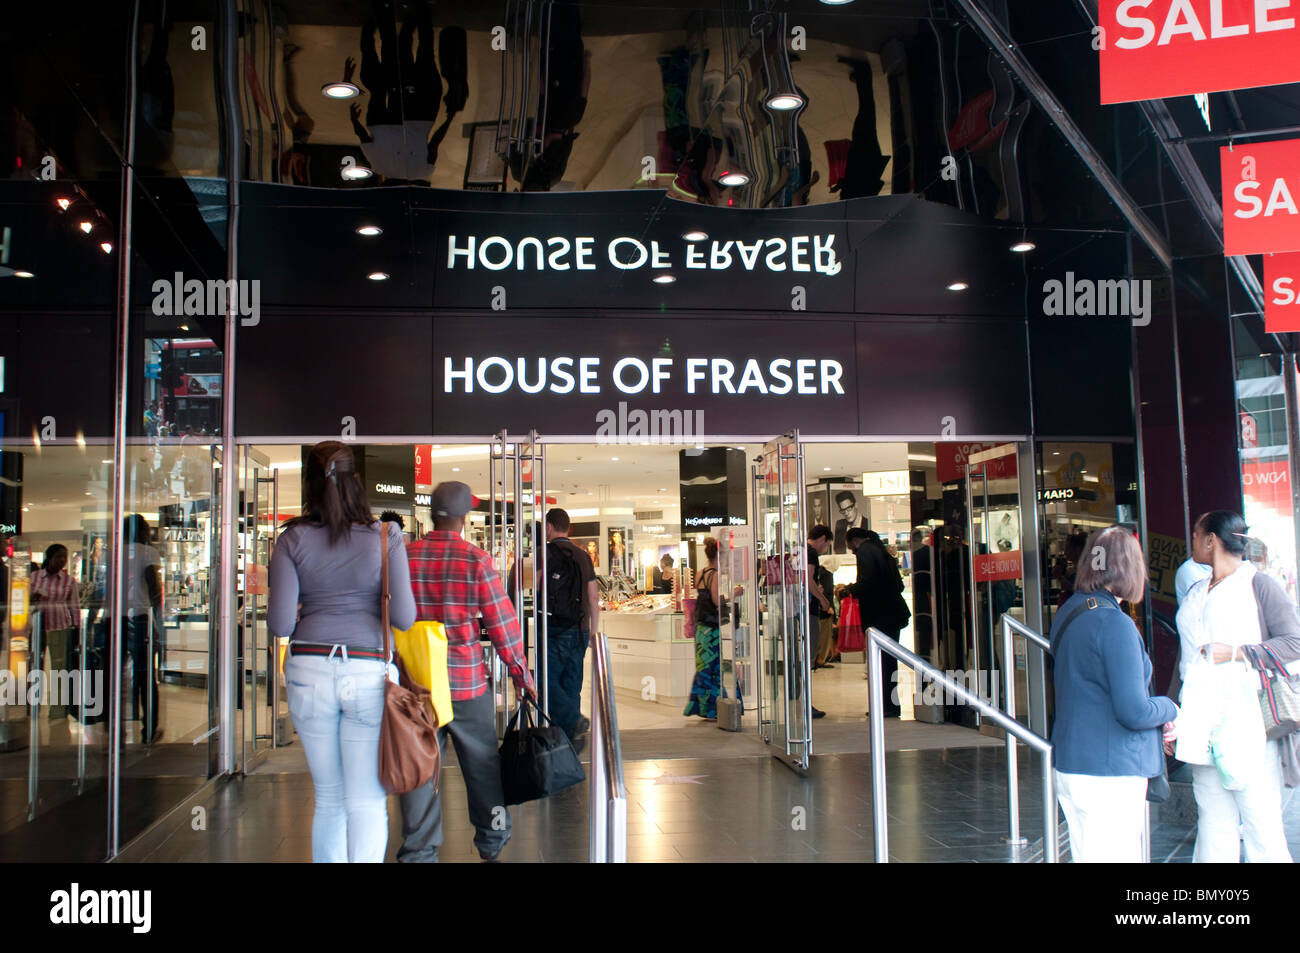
454	583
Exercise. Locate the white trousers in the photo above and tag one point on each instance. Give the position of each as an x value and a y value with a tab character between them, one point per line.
1106	817
1253	815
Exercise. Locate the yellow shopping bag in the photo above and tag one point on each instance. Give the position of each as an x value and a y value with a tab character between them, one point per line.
423	649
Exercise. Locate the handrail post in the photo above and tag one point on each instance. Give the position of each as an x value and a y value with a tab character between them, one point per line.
879	642
879	804
1013	767
608	807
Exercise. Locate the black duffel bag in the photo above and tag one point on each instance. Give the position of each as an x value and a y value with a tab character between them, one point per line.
536	760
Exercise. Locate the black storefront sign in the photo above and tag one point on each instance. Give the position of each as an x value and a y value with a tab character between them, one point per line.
714	488
642	378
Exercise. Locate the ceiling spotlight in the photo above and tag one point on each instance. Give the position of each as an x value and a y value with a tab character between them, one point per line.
958	286
733	179
378	276
370	231
695	235
63	203
1023	246
784	102
615	459
85	226
664	279
106	247
185	327
455	469
340	90
836	3
24	274
355	173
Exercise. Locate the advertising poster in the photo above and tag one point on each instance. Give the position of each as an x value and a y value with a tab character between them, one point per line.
848	509
819	505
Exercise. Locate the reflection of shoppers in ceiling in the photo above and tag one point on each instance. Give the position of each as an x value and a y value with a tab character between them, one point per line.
568	80
865	161
405	90
294	166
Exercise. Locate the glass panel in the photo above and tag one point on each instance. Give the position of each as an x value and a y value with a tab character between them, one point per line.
1267	501
993	497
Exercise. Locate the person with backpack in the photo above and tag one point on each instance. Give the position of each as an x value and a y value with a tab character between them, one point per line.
572	617
879	591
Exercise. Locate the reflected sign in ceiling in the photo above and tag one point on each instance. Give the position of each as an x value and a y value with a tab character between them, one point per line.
1152	49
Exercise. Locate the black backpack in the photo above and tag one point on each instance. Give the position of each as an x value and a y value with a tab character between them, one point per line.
563	586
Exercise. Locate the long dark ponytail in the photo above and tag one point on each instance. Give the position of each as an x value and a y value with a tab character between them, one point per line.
335	496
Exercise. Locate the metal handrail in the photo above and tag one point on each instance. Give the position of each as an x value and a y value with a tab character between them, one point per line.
1010	627
878	641
608	793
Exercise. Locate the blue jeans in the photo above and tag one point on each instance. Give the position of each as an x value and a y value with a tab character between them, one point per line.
337	707
566	650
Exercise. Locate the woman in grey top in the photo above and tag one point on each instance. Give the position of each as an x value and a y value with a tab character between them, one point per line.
325	575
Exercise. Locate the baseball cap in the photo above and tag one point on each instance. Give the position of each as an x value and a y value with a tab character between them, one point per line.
451	499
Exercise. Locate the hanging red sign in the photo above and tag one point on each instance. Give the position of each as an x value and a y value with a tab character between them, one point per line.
1151	49
1261	196
423	464
1282	293
991	567
951	460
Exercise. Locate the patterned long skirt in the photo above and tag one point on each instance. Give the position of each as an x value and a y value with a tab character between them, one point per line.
708	676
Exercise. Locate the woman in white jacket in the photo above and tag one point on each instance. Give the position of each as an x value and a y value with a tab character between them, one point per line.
1218	618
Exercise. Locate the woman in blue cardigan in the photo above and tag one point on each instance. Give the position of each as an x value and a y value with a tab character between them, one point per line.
1107	732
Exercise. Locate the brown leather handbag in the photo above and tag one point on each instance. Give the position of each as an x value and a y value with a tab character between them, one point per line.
409	753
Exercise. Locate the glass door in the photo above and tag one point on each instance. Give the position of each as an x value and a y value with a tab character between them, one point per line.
784	635
516	539
260	661
997	566
735	631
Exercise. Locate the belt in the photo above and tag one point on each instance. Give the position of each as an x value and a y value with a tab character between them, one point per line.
318	648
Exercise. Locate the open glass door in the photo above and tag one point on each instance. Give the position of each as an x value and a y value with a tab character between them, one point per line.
516	513
260	653
994	520
784	634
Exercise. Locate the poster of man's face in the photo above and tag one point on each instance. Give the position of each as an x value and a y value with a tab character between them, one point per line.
848	510
819	506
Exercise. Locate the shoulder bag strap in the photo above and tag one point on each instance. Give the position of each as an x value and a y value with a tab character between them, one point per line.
386	635
1086	605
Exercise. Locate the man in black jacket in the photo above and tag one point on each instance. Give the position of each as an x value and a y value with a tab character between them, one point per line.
879	589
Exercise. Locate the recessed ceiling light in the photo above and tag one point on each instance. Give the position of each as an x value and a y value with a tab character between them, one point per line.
370	231
105	461
340	90
355	172
106	247
664	279
785	102
85	226
185	327
455	469
827	469
695	235
836	3
378	276
615	459
958	286
1021	247
733	179
24	274
63	203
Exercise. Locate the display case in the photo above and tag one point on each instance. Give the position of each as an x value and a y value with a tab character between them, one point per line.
650	651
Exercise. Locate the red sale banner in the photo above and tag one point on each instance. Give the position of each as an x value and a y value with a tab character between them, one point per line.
1261	197
423	463
1151	49
1281	293
996	566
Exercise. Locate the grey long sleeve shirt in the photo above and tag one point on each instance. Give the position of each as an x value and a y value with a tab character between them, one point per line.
338	586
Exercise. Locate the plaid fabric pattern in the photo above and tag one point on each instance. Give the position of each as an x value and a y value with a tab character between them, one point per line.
58	603
454	583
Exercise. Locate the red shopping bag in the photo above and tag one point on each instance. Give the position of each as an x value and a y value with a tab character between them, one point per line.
851	637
